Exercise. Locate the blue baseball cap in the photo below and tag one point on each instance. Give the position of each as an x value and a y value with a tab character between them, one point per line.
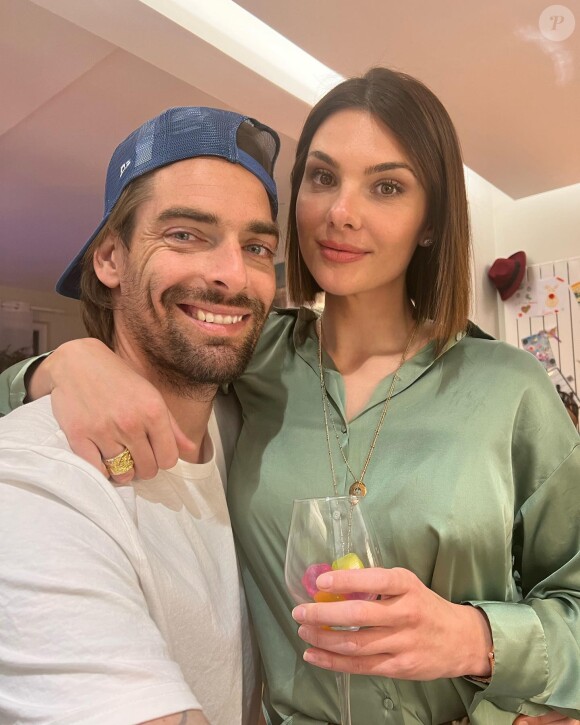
183	133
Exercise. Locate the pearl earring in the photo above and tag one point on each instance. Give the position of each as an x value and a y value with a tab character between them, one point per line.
426	242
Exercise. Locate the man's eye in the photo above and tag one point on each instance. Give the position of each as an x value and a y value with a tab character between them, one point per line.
260	250
182	236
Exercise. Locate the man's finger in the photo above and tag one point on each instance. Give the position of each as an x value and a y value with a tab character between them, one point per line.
121	479
146	465
87	450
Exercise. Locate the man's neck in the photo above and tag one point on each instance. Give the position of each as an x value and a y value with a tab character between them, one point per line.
192	415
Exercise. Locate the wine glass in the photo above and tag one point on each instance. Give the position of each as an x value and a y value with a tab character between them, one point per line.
325	534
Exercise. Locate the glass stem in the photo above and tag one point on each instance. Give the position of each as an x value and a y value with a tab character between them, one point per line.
343	684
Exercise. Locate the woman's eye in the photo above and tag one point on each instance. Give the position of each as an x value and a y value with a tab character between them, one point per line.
322	177
389	188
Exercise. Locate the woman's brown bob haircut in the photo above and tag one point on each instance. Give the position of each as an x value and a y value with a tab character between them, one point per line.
96	298
439	276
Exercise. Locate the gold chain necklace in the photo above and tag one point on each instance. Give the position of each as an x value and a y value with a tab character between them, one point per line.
358	488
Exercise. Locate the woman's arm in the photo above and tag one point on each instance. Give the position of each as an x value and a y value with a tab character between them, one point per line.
411	633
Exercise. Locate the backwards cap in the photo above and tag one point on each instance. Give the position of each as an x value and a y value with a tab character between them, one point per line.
177	134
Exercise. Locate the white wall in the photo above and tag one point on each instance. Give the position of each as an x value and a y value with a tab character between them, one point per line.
545	226
483	198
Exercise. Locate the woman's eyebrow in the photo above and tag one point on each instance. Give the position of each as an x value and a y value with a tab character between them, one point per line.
321	156
370	170
389	166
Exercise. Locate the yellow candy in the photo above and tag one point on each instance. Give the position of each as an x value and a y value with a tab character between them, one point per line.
349	561
328	597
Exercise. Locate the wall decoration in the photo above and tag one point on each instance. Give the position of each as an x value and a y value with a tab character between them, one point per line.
522	303
551	295
551	325
539	346
567	395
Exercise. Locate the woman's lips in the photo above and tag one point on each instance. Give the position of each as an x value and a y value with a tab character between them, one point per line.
340	252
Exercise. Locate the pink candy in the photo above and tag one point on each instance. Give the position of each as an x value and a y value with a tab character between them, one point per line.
311	575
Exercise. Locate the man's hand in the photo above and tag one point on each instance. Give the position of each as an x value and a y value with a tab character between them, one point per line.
411	633
103	406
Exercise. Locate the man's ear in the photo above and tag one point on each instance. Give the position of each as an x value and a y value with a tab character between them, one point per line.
109	261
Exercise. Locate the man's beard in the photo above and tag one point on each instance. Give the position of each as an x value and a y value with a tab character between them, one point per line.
180	363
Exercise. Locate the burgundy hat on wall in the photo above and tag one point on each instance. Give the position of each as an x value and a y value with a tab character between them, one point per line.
507	274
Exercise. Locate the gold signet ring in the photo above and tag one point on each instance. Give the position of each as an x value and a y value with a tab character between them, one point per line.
120	463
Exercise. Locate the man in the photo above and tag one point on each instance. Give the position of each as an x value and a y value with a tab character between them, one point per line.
123	605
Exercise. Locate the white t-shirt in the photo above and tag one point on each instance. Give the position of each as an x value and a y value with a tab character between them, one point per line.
117	605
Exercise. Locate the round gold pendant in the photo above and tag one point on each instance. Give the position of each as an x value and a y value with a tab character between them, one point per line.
358	489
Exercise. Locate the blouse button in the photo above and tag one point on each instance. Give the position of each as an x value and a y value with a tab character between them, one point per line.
388	703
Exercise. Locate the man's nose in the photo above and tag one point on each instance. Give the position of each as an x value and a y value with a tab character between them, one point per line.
226	268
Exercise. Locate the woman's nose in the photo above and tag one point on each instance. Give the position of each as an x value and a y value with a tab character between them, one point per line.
345	210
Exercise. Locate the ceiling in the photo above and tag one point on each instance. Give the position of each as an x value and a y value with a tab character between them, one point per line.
77	77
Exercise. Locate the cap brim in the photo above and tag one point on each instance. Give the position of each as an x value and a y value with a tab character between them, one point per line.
69	282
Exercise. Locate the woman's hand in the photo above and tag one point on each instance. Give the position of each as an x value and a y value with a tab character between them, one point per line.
411	633
103	406
551	717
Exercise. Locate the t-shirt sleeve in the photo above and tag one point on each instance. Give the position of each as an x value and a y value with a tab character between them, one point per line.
12	387
77	642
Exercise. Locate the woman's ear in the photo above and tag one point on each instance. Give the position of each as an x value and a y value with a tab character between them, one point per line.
109	261
426	237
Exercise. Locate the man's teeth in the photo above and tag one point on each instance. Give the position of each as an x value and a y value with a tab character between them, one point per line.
218	319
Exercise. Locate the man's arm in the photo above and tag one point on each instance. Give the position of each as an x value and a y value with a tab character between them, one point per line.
102	405
14	382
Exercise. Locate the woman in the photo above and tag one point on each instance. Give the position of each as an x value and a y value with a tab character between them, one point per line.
465	452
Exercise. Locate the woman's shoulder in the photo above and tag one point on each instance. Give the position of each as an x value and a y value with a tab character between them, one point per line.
491	351
284	325
284	333
506	369
281	319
